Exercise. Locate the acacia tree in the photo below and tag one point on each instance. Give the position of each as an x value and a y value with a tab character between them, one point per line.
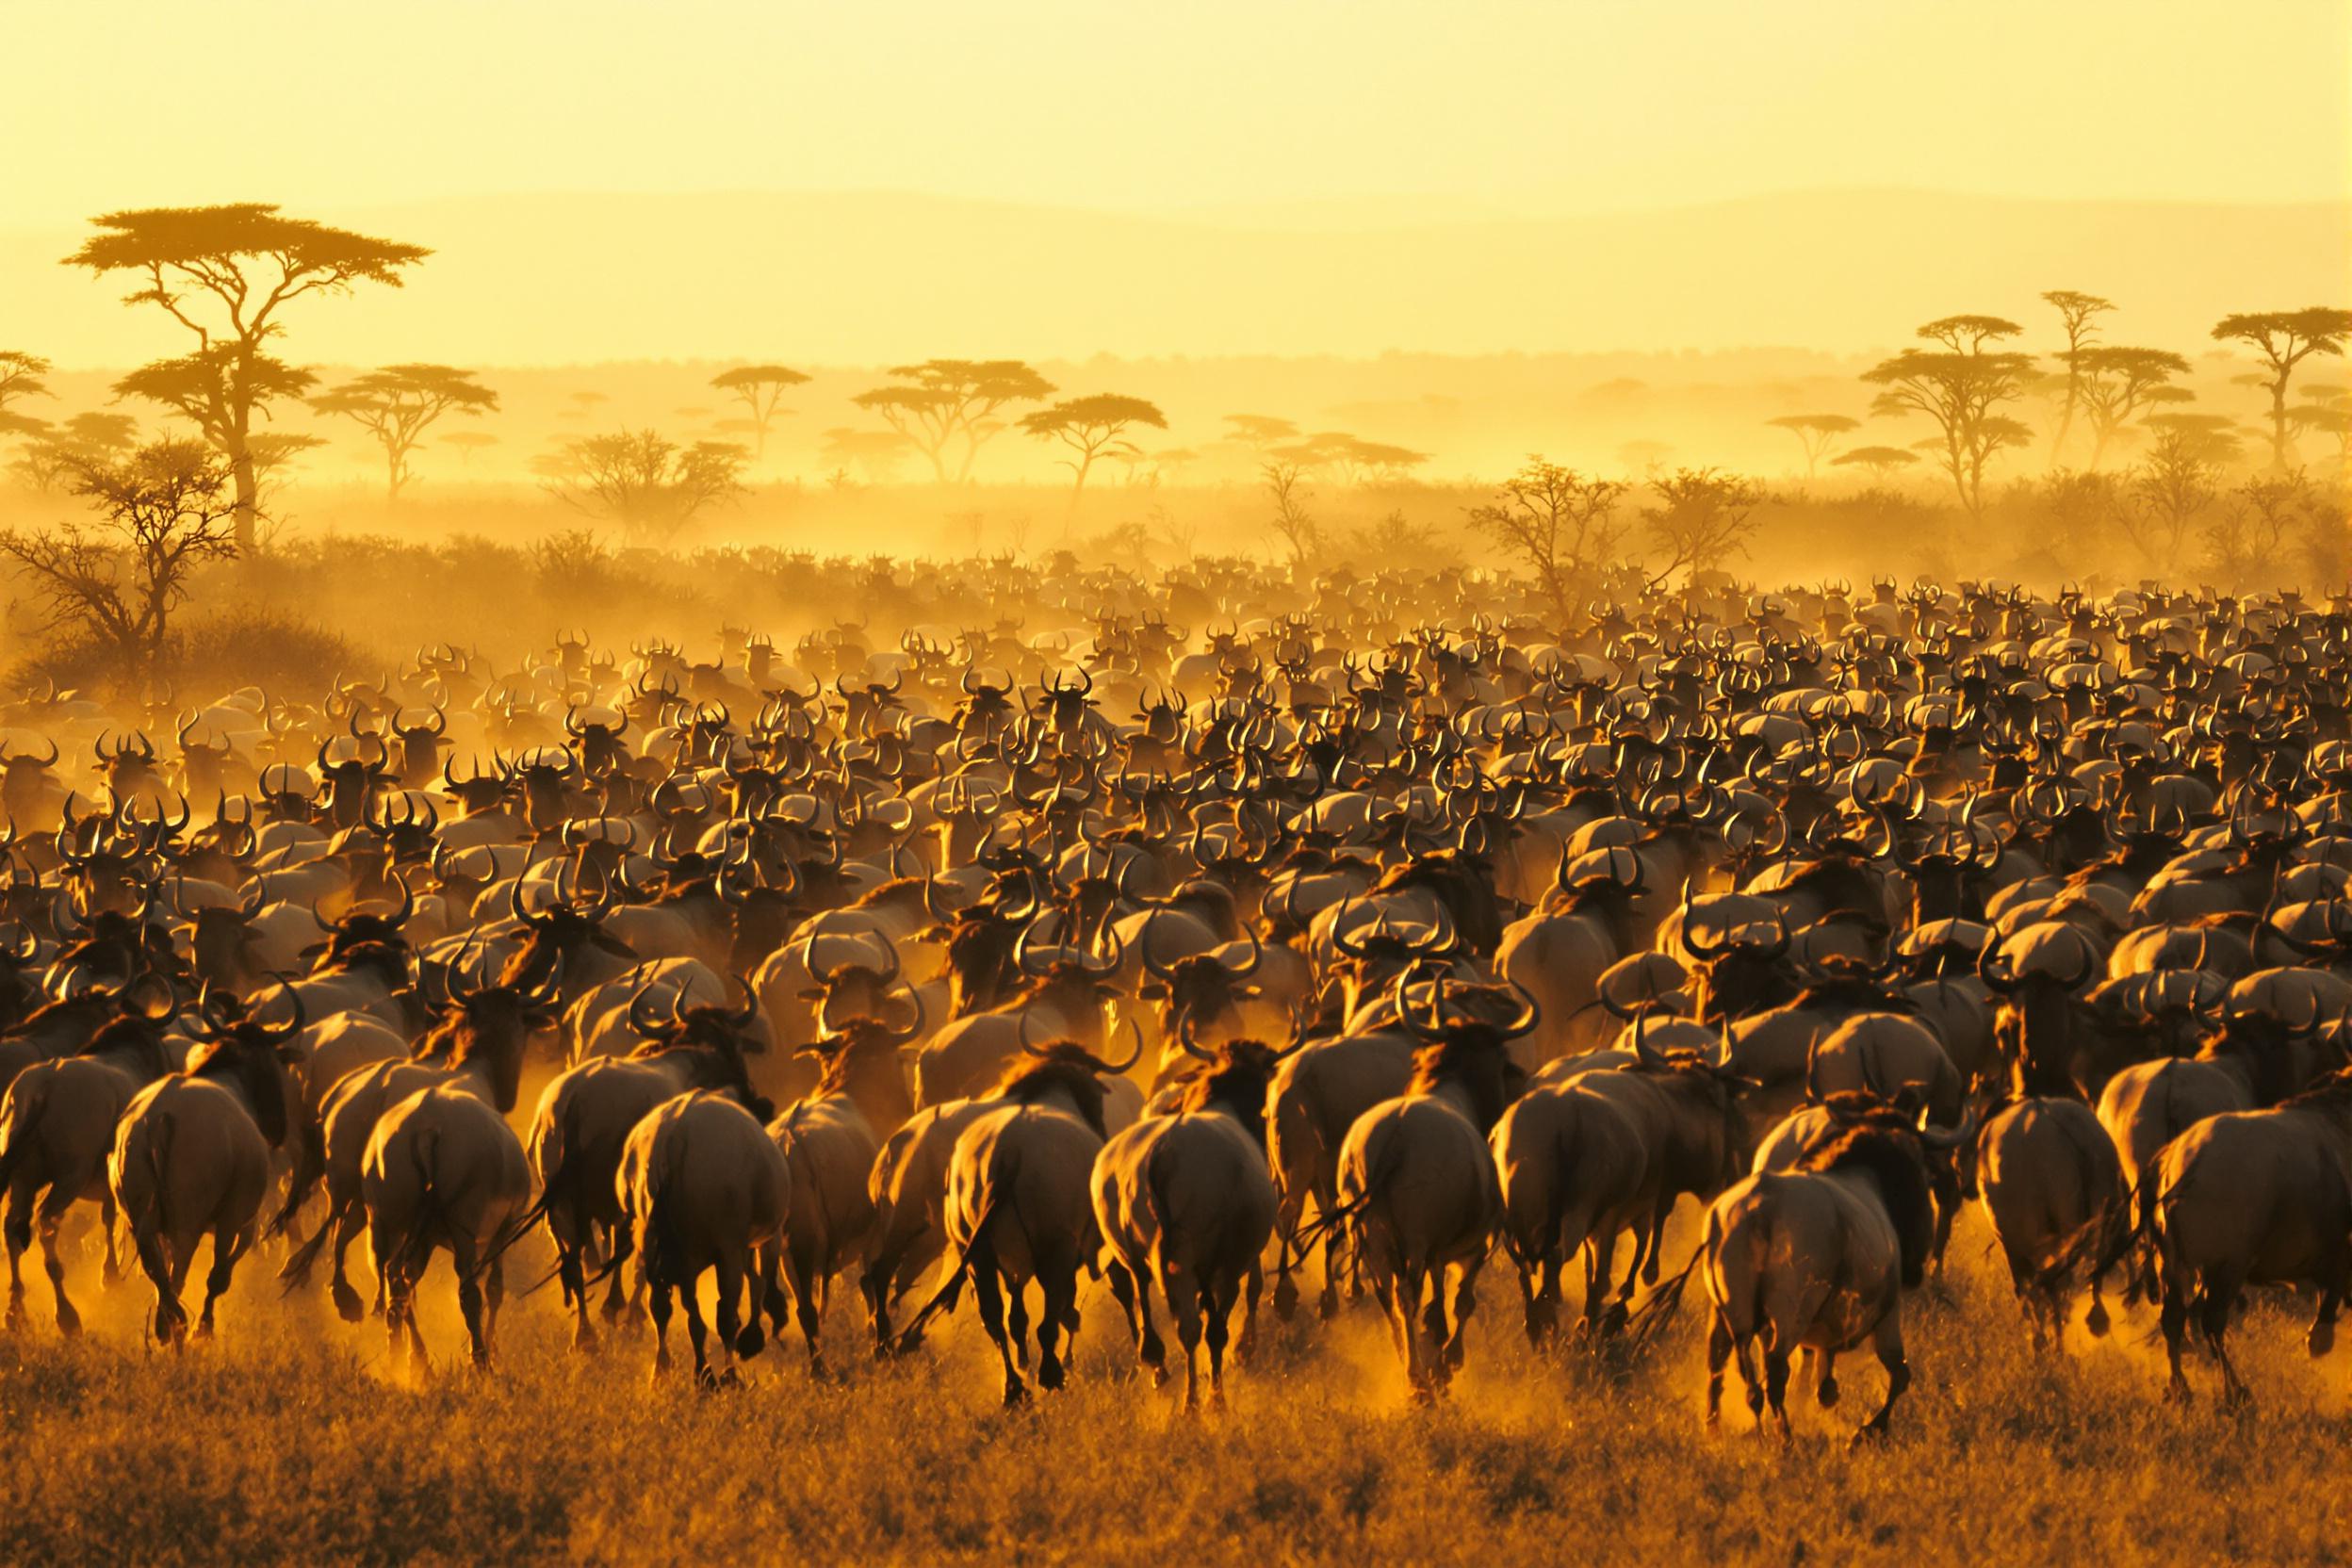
2329	410
20	378
468	442
1703	517
1881	461
1090	427
1962	387
1816	434
2112	384
226	273
876	453
1350	459
398	403
2166	497
54	457
1291	519
209	388
1560	524
2077	313
760	388
942	403
1260	432
114	582
2285	338
650	486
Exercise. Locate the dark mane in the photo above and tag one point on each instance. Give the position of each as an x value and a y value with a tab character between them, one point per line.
130	1035
1237	1080
2333	1092
1893	1160
1030	1079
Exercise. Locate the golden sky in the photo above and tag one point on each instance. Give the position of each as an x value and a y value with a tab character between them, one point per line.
1271	108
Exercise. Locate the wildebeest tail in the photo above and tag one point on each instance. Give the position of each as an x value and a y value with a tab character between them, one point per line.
310	1168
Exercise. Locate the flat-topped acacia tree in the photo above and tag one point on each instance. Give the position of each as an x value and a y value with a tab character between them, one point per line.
226	273
398	403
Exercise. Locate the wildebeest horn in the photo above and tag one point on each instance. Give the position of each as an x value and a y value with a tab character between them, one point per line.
1935	1137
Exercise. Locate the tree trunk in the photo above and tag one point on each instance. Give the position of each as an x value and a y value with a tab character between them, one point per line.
248	492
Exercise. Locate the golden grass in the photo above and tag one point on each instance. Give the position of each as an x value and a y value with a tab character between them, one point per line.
291	1439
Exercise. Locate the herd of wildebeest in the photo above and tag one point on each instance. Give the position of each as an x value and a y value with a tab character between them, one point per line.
1176	933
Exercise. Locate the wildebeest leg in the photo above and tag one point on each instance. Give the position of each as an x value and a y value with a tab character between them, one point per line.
1776	1389
988	1297
1718	1353
697	1332
1182	1287
2321	1336
809	1290
1465	1301
1252	1285
658	1305
465	1258
19	1230
346	1221
1653	1239
617	1293
1825	1387
1017	1321
227	1247
110	1266
51	1223
727	1311
1336	1256
1888	1342
2221	1300
574	1257
2173	1319
1127	1288
1287	1217
1405	1283
1058	1306
1220	1304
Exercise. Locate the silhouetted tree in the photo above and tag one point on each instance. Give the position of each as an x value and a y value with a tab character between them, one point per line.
2077	313
1090	427
468	442
2327	409
650	486
1816	434
2285	338
1881	461
2245	543
1259	431
114	581
1350	459
224	274
1560	524
1963	388
1299	530
876	454
2214	438
398	403
1704	517
2111	384
760	388
19	378
52	458
946	401
2164	498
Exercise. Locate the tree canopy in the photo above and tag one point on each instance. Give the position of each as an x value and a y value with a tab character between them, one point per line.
940	402
1962	389
1816	434
761	389
398	403
224	274
1090	427
2285	339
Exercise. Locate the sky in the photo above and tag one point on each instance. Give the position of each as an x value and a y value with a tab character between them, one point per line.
867	181
1276	110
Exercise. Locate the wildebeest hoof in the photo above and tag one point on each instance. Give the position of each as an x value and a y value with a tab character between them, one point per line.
2095	1322
1827	1393
1159	1375
1015	1395
68	1322
347	1305
2321	1340
751	1340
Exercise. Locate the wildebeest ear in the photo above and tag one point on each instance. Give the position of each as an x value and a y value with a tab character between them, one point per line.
291	1054
612	945
811	993
311	951
1151	991
1254	992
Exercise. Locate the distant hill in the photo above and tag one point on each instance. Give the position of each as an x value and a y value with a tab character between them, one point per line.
862	278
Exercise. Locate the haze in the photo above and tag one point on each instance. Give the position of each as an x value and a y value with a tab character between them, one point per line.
1066	179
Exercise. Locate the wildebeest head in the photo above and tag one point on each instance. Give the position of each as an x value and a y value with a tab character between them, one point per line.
235	1044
